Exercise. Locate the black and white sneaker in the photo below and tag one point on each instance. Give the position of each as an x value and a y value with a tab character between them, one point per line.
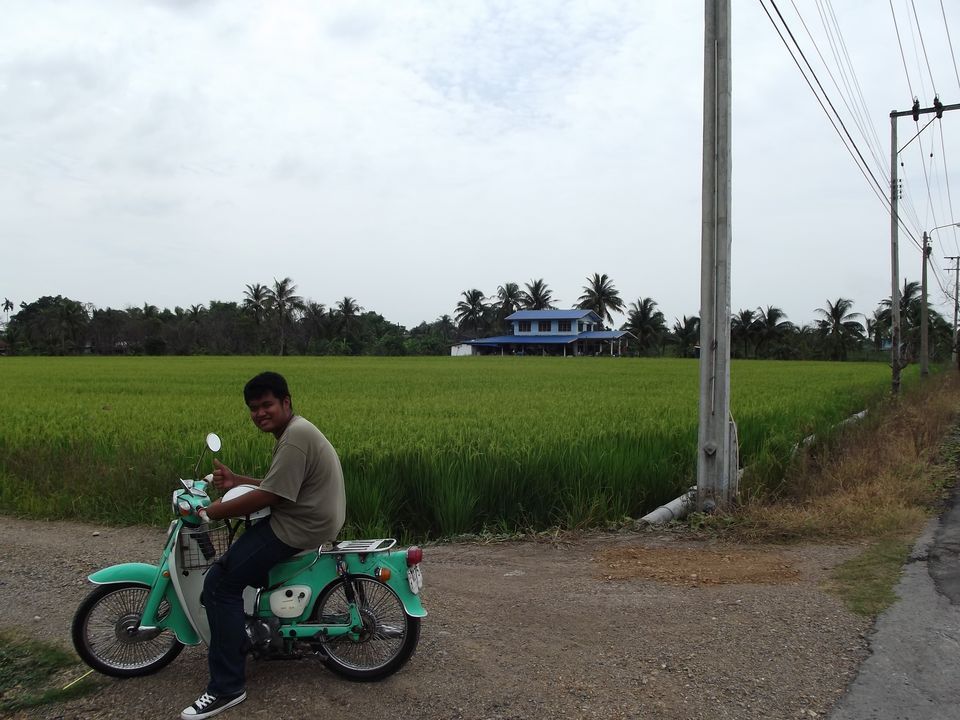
207	706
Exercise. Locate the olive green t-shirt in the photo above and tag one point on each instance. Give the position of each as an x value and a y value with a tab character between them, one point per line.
305	474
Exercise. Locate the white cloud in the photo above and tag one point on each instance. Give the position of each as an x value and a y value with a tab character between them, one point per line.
403	152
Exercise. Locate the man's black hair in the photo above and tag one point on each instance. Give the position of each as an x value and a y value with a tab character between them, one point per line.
266	382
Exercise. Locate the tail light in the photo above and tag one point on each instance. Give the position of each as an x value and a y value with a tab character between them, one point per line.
414	556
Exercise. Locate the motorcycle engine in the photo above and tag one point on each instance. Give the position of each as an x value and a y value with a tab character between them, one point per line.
263	635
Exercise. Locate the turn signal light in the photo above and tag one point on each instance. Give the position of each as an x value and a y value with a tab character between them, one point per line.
382	573
414	556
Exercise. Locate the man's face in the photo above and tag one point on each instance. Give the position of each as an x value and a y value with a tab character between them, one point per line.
269	413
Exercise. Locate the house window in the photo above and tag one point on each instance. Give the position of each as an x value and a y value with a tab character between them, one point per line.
523	326
543	325
579	327
563	326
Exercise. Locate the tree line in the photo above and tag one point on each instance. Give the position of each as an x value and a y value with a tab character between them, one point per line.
837	332
275	319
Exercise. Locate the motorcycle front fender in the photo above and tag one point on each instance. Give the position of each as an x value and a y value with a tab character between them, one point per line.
127	572
176	620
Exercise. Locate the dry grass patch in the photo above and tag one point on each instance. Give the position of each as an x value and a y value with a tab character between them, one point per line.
880	478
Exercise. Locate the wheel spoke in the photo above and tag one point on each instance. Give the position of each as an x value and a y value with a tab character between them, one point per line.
108	636
384	625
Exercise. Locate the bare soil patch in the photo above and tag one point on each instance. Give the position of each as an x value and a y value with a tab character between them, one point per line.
699	566
601	625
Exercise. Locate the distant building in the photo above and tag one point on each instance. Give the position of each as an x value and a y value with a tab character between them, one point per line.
550	332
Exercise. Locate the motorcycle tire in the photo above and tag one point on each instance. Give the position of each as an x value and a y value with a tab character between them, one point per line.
105	636
388	638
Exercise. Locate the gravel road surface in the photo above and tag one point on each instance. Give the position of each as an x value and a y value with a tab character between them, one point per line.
620	625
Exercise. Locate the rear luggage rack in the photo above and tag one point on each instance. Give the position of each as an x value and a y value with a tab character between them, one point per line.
361	546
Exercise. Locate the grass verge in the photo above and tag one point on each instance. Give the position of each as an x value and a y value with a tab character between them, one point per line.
35	673
877	479
866	582
875	482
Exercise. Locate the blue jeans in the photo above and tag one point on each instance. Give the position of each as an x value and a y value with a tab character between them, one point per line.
247	562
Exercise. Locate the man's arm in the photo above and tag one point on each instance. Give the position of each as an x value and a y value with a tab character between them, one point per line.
246	504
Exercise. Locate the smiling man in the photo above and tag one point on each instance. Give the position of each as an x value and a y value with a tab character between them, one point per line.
304	490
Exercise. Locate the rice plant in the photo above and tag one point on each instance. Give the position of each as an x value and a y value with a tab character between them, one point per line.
429	446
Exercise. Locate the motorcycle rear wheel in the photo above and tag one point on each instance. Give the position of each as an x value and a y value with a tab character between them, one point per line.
388	638
105	632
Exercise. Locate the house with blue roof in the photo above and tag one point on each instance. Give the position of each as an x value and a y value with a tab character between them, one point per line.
550	332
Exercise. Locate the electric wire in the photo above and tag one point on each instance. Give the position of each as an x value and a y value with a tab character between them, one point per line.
845	137
853	75
946	174
923	45
855	113
902	54
953	55
826	97
849	143
916	52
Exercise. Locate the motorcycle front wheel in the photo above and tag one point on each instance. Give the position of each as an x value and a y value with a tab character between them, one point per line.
105	632
387	640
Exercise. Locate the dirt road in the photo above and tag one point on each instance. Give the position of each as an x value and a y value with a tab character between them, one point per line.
626	625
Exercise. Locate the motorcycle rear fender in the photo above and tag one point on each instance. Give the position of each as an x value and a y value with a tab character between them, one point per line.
146	574
397	562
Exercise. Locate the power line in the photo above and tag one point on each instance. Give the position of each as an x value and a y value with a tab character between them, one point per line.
946	173
924	46
865	166
902	55
953	55
854	112
853	75
916	54
828	20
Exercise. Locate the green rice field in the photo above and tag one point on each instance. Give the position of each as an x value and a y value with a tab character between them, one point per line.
429	446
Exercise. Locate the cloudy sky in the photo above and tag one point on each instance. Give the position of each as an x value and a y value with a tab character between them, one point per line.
402	152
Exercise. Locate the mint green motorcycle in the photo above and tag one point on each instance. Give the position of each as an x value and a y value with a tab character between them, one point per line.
355	605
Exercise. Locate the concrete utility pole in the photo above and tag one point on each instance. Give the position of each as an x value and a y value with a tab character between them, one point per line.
894	263
717	456
896	362
924	332
956	304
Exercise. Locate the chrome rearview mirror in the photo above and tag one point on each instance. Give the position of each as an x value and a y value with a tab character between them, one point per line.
213	445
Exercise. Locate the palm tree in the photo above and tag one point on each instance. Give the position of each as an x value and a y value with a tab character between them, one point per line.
838	326
686	334
509	299
285	302
314	321
645	322
348	313
256	303
7	307
471	310
877	329
601	296
770	324
538	296
742	328
909	316
195	313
